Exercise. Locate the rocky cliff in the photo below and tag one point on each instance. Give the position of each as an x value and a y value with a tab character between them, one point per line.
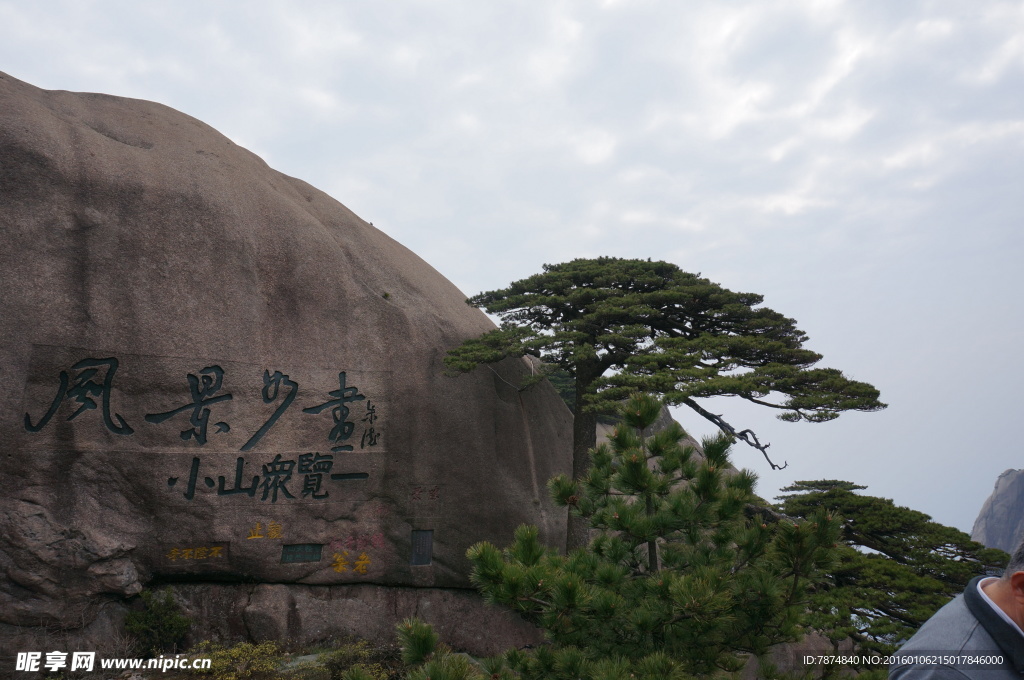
216	373
1000	524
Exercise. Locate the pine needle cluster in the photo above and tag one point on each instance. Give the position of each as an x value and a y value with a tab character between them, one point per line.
680	578
896	566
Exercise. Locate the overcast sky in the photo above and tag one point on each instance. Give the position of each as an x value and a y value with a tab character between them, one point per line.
857	163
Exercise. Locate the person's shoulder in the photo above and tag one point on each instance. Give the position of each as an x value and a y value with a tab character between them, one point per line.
950	630
927	673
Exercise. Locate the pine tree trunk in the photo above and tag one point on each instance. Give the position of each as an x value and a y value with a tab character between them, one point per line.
652	545
584	438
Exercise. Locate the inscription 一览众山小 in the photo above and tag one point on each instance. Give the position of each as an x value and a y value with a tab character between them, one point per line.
277	474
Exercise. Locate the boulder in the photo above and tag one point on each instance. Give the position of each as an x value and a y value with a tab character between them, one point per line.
216	373
1000	524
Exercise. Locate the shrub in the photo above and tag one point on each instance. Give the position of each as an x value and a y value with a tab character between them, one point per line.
243	661
160	626
354	661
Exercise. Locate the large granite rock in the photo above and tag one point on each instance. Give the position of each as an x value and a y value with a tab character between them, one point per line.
1000	524
214	372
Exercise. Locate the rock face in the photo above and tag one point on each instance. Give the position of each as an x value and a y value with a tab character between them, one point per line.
303	615
214	372
1000	524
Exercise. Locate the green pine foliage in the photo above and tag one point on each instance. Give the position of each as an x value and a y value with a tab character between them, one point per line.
678	581
418	641
896	566
661	330
431	660
618	326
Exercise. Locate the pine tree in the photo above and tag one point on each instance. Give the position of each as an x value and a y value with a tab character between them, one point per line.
620	326
679	580
896	566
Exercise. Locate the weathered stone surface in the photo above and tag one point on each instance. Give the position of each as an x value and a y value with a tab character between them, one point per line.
149	264
1000	524
308	614
300	615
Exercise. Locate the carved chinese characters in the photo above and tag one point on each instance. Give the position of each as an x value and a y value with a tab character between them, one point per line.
222	406
312	470
83	392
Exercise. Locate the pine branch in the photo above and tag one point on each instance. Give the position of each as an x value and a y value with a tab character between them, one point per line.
769	404
535	600
746	436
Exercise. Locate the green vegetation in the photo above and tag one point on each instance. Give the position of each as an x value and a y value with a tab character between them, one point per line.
896	566
619	326
565	385
243	661
679	581
432	661
357	661
160	626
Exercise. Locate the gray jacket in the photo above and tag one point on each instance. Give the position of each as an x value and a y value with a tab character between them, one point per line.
964	627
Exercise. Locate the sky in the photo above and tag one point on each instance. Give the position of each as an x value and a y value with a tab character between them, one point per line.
859	164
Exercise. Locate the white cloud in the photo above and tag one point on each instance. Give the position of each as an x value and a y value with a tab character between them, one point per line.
406	59
325	101
315	35
793	201
939	153
933	29
555	58
922	153
593	146
842	126
642	217
849	48
1009	54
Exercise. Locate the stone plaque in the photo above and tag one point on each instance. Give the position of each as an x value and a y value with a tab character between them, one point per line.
422	546
301	552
